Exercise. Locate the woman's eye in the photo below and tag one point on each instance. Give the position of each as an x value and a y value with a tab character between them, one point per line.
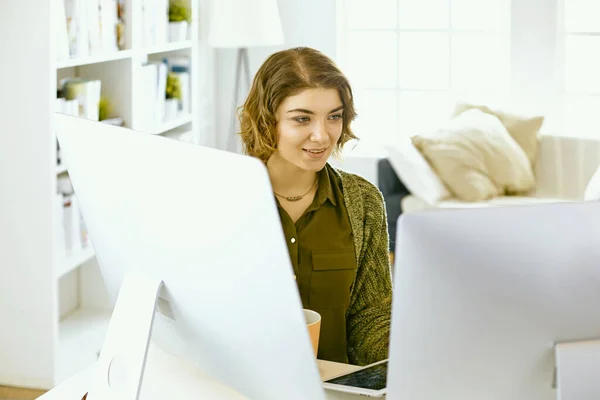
336	117
302	119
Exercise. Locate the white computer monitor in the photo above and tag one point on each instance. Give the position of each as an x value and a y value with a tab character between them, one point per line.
200	227
483	296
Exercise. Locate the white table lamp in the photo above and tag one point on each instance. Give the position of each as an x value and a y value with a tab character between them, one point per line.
241	24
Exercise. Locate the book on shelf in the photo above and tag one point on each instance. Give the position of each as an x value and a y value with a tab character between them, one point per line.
69	107
88	27
72	232
87	94
150	97
155	22
161	93
61	37
156	104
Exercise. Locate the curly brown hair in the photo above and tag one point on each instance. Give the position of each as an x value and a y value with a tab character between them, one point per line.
285	74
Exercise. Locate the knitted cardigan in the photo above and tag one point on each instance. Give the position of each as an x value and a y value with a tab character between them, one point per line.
369	313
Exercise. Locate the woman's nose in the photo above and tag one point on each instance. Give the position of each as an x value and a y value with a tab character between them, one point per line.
319	132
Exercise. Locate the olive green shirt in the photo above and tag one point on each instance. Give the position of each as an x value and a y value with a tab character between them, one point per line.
322	253
339	251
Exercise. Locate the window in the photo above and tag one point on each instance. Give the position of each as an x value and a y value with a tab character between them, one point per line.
579	44
410	61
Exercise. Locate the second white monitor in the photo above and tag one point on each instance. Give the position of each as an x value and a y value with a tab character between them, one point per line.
481	297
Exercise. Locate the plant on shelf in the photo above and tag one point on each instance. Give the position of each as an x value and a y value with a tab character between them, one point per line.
173	86
179	11
180	17
173	96
104	108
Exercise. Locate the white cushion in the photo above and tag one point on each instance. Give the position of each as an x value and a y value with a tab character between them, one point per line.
415	172
592	191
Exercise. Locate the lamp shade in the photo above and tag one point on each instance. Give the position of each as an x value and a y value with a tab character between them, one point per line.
244	23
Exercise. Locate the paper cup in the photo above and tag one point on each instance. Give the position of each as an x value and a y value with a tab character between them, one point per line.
313	323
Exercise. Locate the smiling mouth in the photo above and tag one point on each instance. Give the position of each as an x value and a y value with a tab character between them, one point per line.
314	151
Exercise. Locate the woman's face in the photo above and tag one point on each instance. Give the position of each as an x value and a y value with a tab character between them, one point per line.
309	125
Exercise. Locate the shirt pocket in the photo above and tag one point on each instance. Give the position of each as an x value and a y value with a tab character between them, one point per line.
333	273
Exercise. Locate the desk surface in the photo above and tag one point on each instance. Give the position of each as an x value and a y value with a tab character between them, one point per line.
75	387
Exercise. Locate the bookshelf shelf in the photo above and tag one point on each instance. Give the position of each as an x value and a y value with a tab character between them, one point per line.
186	44
96	59
76	259
170	125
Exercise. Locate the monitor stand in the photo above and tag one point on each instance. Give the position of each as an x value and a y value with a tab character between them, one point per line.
578	370
128	356
120	366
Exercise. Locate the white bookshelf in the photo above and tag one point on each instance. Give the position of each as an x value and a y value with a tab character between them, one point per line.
60	295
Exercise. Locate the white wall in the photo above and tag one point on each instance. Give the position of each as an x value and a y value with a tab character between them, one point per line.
27	185
305	23
534	71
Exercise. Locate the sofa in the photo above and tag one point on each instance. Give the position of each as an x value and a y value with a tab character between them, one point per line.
483	157
394	192
563	169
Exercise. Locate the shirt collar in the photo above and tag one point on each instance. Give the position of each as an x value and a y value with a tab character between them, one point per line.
324	190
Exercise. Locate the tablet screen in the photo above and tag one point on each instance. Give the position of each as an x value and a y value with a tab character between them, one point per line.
374	378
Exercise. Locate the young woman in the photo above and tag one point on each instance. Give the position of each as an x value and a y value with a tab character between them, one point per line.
298	114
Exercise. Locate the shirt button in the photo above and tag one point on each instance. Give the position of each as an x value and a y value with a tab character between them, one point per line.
293	240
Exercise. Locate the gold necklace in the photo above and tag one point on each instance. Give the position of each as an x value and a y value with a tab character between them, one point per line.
296	198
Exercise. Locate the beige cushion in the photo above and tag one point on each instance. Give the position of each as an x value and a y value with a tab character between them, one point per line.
476	157
524	129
